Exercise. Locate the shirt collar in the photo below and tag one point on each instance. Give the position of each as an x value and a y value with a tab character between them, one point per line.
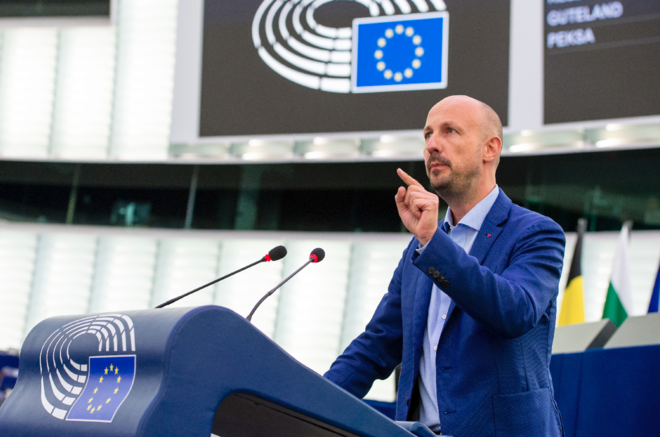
476	216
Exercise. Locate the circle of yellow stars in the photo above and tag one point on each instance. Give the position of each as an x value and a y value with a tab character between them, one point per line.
416	63
113	370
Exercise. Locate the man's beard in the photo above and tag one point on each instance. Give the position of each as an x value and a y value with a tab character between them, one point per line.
454	185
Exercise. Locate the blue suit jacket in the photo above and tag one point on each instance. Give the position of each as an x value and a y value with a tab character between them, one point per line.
493	358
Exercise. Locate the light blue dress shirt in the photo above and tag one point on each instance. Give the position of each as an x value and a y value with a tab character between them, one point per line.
463	234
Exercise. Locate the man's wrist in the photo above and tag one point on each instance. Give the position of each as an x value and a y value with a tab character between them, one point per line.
424	239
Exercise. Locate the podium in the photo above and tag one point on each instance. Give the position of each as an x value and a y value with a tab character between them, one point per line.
176	372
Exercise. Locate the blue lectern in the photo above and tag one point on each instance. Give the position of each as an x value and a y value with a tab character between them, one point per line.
175	372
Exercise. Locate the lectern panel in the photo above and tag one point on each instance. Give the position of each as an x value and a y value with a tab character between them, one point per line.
240	415
583	336
637	331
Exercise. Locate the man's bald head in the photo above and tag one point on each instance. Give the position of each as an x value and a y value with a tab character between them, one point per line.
463	143
491	125
483	115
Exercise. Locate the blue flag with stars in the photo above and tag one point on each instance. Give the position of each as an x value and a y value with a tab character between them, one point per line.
398	53
109	382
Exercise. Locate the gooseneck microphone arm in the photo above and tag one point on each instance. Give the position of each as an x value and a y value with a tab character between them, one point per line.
164	304
275	254
316	256
267	295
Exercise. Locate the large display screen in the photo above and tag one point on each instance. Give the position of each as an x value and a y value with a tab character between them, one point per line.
322	66
54	8
602	59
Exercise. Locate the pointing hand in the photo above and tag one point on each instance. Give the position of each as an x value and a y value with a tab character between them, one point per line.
417	207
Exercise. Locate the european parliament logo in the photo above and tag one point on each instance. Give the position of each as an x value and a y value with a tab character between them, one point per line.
79	387
402	46
400	53
109	383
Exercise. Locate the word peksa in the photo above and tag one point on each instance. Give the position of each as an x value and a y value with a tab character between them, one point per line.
569	38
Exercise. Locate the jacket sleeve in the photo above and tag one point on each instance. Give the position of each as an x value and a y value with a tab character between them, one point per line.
508	304
377	351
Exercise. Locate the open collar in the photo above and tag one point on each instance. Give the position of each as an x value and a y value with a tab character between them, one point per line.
476	216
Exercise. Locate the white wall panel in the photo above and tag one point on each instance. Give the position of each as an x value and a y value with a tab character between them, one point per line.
85	87
124	274
145	78
644	262
27	86
241	292
17	260
372	266
63	278
183	265
312	304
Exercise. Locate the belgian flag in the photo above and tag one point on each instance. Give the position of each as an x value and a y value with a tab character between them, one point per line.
572	307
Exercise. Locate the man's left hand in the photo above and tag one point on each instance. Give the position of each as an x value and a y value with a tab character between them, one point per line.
417	207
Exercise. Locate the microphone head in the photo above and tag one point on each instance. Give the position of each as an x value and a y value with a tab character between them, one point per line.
276	253
317	255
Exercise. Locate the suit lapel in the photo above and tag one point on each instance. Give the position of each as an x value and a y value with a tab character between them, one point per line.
490	230
452	305
491	227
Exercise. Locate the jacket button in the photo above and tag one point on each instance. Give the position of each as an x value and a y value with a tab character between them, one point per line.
407	401
431	270
436	274
445	283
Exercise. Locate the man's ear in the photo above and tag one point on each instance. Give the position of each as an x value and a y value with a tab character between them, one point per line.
492	148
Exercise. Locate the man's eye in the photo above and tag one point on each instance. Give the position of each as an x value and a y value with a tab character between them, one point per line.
427	135
451	130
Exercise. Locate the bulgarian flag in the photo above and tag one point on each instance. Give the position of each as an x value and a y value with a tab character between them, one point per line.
572	306
618	303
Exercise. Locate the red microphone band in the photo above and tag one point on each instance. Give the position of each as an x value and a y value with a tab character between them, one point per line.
267	257
314	258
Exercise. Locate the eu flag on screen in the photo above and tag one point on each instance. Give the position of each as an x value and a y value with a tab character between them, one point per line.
401	52
109	383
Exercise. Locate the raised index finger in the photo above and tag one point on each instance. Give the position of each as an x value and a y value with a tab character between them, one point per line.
407	179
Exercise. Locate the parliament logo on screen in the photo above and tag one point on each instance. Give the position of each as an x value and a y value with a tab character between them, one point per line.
402	46
79	386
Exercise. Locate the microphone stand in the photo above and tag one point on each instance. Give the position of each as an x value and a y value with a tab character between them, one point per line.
164	304
249	317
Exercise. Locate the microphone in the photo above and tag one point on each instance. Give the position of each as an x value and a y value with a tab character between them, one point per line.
316	256
275	254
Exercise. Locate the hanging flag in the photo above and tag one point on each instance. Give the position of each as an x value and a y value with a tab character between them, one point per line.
572	306
655	295
618	302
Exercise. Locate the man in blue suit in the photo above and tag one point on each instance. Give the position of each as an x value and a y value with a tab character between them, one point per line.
470	311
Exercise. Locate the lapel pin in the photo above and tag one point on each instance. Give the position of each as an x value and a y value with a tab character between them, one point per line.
488	236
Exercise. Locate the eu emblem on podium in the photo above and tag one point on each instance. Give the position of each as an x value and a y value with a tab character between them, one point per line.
109	383
400	53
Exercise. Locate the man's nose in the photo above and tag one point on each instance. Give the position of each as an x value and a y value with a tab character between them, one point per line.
433	145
